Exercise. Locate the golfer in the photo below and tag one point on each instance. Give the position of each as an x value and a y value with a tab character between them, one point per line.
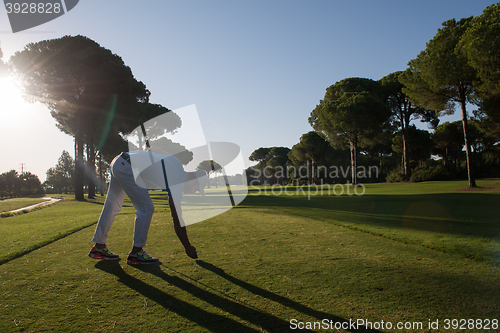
133	174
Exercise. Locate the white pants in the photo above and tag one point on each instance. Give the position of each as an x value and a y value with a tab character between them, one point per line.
122	183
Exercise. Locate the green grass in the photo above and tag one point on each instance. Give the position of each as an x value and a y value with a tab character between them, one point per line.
27	232
438	215
7	205
270	260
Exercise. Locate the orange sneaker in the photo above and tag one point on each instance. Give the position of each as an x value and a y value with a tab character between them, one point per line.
141	258
102	254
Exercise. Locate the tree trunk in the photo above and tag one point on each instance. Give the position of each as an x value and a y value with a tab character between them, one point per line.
406	154
262	166
445	157
406	144
101	185
312	173
308	173
91	174
354	153
470	166
79	166
480	158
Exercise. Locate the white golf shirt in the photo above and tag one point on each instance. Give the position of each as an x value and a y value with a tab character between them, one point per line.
159	172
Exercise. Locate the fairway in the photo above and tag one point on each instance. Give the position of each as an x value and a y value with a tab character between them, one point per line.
7	205
414	255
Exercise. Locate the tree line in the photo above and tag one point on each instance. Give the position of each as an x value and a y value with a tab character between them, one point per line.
14	184
60	179
95	98
362	122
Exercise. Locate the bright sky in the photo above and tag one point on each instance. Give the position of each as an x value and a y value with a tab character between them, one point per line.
254	69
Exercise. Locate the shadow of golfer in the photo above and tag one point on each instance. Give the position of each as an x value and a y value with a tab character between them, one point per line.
211	321
280	299
263	320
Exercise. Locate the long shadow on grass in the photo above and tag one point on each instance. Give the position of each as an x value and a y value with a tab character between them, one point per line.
52	239
264	320
211	321
464	214
279	299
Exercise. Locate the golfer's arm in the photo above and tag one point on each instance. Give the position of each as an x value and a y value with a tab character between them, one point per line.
179	230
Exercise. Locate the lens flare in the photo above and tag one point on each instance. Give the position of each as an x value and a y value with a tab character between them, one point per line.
107	125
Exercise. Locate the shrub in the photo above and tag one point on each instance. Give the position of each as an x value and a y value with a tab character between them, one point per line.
427	173
395	176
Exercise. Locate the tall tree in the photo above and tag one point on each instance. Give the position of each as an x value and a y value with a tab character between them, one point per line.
350	109
420	144
441	76
278	158
488	116
79	80
403	112
449	140
61	176
10	184
489	126
481	44
31	184
312	149
261	156
480	142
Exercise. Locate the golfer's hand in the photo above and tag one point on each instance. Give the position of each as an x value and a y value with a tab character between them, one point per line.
191	252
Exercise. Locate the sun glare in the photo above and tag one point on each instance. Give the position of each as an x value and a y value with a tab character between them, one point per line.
11	100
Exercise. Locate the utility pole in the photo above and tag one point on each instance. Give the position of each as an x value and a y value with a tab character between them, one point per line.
22	167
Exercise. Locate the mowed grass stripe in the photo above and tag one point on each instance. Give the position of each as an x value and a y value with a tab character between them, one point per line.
7	205
27	232
478	241
258	269
462	222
